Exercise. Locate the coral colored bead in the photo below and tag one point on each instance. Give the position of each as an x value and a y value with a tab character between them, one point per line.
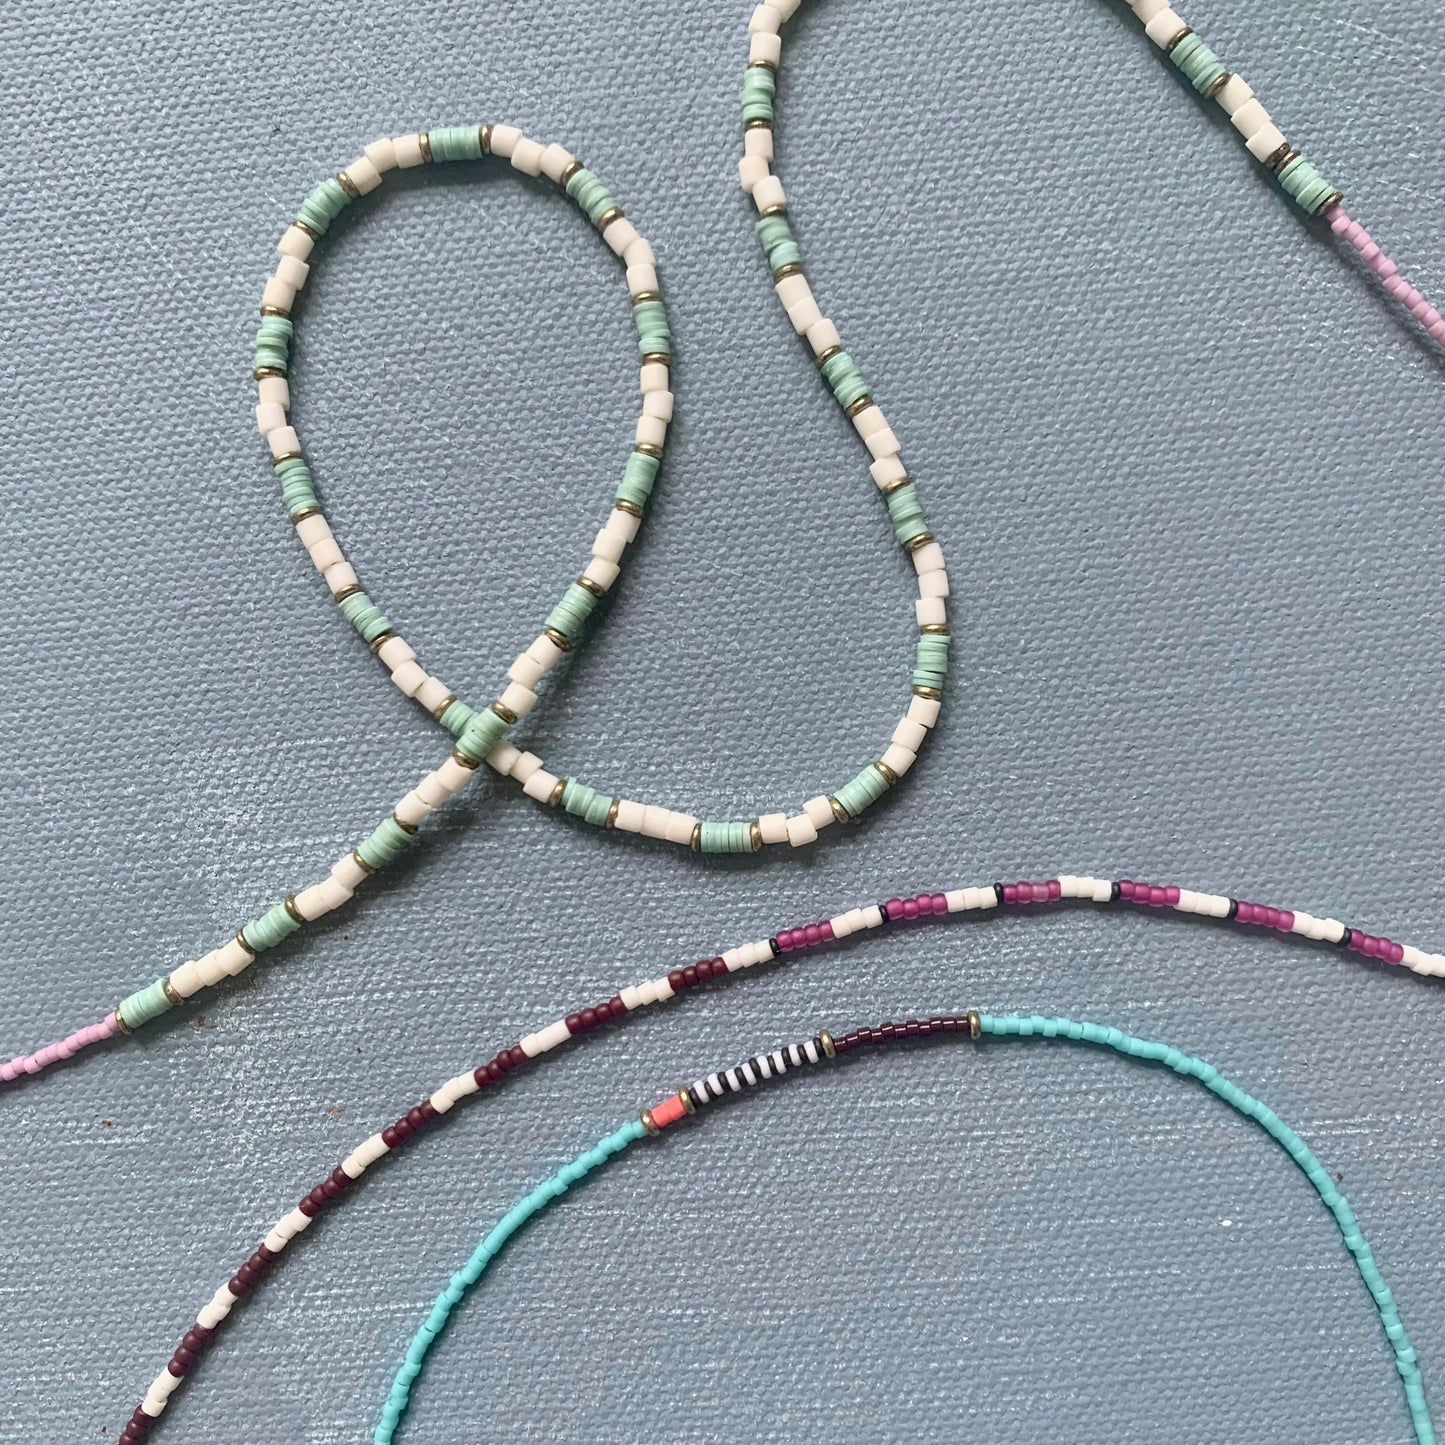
669	1112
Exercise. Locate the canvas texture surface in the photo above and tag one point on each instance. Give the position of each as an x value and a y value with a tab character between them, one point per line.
1184	461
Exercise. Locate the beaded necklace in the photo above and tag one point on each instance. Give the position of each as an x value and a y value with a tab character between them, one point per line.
483	735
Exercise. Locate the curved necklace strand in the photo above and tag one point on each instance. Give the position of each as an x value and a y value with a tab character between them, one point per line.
482	735
973	1025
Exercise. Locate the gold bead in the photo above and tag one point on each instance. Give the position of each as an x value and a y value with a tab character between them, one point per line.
120	1022
276	311
303	513
1277	159
377	643
649	449
1184	31
1215	86
309	229
657	358
347	592
696	839
933	694
778	208
761	65
921	540
631	508
348	185
571	171
858	404
755	835
504	712
291	456
363	864
557	793
975	1024
648	1124
443	705
612	813
685	1094
793	268
935	629
758	125
1331	201
839	811
408	828
887	773
462	760
588	585
260	373
638	297
241	939
897	486
608	217
558	639
291	908
829	1047
827	354
423	141
175	999
484	139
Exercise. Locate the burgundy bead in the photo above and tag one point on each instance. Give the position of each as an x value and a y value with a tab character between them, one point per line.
341	1178
330	1189
197	1337
390	1137
675	979
176	1367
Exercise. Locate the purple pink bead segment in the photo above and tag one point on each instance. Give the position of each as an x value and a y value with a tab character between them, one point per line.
1388	272
64	1049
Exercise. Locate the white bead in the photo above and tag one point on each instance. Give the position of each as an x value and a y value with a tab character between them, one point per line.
888	471
769	192
641	279
333	894
555	160
540	785
924	710
454	776
1265	141
654	821
544	1040
296	242
217	1310
621	236
870	421
411	810
282	440
433	693
382	154
653	376
822	335
293	271
608	546
651	430
659	404
623	524
526	670
639	253
273	390
603	572
765	20
504	139
933	584
409	677
882	443
752	172
758	141
630	816
1146	10
1249	118
1333	930
527	156
910	734
432	791
395	651
930	611
792	289
899	759
407	149
525	765
232	957
765	47
186	980
269	416
680	827
819	811
339	576
278	294
1234	93
545	651
348	871
503	756
801	831
873	916
325	551
773	827
786	8
1163	27
363	175
521	700
804	314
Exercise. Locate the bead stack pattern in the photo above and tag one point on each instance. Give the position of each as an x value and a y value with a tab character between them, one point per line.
975	1026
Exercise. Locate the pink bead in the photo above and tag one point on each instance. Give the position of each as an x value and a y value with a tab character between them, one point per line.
826	929
1055	890
925	904
1126	889
894	908
1010	893
1246	912
1369	251
1156	897
1171	896
940	903
1040	892
910	909
813	935
1396	953
1286	922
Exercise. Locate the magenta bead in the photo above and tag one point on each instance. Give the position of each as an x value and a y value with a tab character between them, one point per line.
894	908
910	909
1171	896
1055	890
940	903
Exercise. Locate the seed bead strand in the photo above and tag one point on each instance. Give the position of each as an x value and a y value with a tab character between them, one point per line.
921	907
974	1026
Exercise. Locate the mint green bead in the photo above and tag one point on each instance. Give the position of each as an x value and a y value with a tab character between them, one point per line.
456	716
273	343
323	205
725	838
1309	189
385	842
778	242
297	487
455	143
590	194
653	333
638	478
574	608
905	511
1200	66
759	87
365	616
268	930
577	797
144	1005
841	372
484	730
859	793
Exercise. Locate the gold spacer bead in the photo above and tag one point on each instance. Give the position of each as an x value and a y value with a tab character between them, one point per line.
241	939
778	208
347	592
933	694
839	811
175	999
291	456
646	1117
557	793
649	449
1184	32
423	141
504	712
758	125
897	486
348	185
571	171
305	512
362	863
975	1024
484	139
378	643
1330	202
921	540
588	585
696	839
558	639
755	835
638	297
443	705
861	403
607	218
462	760
309	229
408	828
829	1047
290	901
276	311
827	354
260	373
793	268
631	508
120	1023
761	65
1275	160
886	773
1216	86
611	820
657	358
935	629
685	1094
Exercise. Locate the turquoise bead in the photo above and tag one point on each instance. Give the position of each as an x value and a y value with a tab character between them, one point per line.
297	488
859	793
575	607
1308	188
725	838
385	842
268	930
777	240
323	205
1200	66
638	478
906	513
455	143
144	1005
759	87
590	194
483	731
365	616
273	343
841	372
456	716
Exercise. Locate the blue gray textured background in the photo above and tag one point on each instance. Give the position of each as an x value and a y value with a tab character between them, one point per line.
1185	464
